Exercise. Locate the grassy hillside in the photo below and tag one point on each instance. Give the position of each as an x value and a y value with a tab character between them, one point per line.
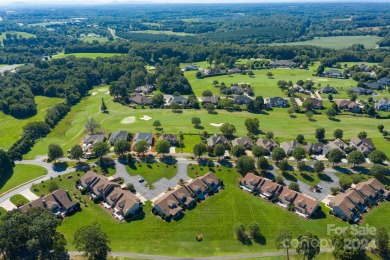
13	127
267	86
214	218
21	174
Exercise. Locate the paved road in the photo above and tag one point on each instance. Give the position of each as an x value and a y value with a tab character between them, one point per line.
50	173
240	256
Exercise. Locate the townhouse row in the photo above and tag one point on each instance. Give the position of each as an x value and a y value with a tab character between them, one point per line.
351	204
172	204
301	204
123	203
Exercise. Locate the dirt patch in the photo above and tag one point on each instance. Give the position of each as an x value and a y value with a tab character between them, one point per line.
128	120
215	124
146	118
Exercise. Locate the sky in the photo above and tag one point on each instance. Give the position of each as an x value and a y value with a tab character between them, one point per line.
61	2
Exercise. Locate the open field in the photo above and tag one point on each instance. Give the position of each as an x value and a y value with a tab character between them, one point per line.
44	24
70	130
163	32
152	172
214	218
266	86
91	39
14	127
21	174
87	55
339	42
19	34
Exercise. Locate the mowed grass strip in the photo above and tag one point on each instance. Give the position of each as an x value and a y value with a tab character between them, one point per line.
71	131
12	128
152	172
21	173
339	42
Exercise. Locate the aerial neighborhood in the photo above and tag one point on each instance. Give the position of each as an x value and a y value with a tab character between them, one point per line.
196	131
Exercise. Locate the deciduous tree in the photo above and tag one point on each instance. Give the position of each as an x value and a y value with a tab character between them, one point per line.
228	129
338	133
199	149
308	245
121	146
355	157
377	156
91	126
245	164
142	146
219	150
54	152
278	154
92	241
283	240
163	146
76	152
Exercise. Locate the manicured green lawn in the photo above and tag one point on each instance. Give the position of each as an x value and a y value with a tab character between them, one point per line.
378	216
19	199
19	34
189	142
21	174
70	130
14	127
87	55
214	218
339	42
307	177
265	86
65	182
152	172
91	39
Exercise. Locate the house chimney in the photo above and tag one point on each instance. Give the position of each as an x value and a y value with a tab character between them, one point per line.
44	203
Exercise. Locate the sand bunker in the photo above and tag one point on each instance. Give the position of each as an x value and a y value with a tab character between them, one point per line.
103	90
108	92
94	93
146	118
214	124
128	120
